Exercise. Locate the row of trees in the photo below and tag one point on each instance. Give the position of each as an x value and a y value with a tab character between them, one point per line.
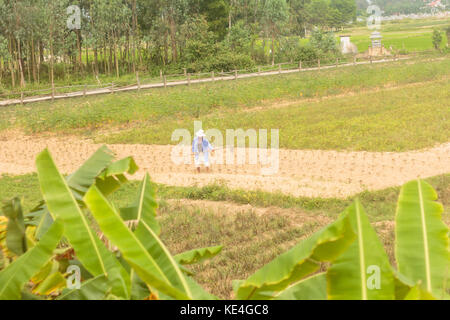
40	40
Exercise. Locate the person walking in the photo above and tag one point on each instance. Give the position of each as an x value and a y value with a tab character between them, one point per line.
201	148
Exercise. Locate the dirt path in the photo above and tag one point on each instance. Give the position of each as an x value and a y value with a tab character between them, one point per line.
301	173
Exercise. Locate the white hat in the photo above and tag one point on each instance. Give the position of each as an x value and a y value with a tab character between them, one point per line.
200	134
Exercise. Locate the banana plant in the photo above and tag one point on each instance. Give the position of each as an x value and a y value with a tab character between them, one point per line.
360	268
16	240
78	209
14	277
422	242
99	169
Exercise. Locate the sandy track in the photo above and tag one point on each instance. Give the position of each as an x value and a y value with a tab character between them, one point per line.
301	173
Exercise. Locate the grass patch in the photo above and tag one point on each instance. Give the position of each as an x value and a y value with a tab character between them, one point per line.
395	120
380	205
410	34
153	107
249	242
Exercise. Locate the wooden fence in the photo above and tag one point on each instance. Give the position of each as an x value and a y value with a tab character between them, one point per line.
185	78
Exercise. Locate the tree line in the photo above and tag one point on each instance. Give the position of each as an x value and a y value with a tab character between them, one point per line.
117	37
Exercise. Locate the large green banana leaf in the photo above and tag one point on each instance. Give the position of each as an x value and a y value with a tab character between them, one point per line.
82	179
113	177
144	207
197	255
363	271
312	288
297	263
90	251
16	275
422	243
16	239
79	182
133	250
98	169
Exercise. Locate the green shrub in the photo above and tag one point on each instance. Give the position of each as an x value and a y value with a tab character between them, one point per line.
226	61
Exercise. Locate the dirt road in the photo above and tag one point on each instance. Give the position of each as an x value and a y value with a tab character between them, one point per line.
301	173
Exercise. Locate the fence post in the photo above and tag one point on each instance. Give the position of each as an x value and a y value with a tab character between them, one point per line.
112	87
259	70
160	74
53	91
185	71
84	91
337	62
371	61
318	63
189	79
279	68
165	81
235	74
212	76
300	65
138	80
21	97
354	60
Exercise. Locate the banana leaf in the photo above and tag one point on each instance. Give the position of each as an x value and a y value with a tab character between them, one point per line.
98	169
312	288
402	285
47	270
133	250
16	239
113	177
2	258
299	262
82	179
79	182
417	293
90	251
144	207
17	274
92	289
139	289
363	271
197	255
168	264
422	243
52	284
